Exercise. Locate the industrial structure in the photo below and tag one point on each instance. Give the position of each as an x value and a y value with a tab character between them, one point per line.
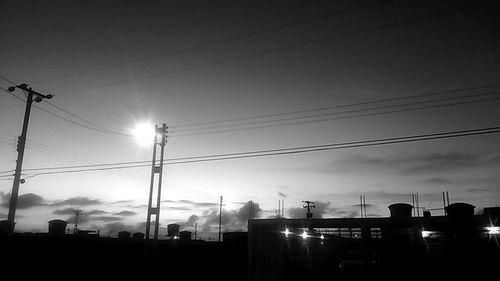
298	249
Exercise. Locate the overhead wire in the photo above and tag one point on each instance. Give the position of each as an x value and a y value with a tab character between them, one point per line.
331	118
342	112
427	94
266	153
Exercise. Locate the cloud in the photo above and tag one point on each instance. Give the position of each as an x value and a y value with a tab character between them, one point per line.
106	218
24	201
475	190
437	180
431	162
66	211
77	201
96	212
190	221
125	213
193	203
231	220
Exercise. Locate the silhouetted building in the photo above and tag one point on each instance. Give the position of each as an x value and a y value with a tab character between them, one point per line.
138	235
57	227
299	249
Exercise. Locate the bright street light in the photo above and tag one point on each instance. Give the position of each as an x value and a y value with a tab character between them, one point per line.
425	233
493	230
304	235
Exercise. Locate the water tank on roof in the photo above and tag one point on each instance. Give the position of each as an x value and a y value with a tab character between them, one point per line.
57	227
400	210
460	210
124	235
185	235
173	229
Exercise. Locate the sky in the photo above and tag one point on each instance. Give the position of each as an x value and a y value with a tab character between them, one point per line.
239	76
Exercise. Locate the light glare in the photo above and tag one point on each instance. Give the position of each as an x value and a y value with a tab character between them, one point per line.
144	133
304	235
493	230
425	233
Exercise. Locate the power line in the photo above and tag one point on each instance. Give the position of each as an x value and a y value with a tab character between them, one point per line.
264	52
336	113
334	118
271	152
98	129
214	43
341	106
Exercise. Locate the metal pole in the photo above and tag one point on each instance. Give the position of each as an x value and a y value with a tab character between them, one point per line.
220	217
19	165
158	201
150	201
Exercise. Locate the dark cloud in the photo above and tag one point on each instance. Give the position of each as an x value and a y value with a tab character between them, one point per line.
106	218
180	208
66	211
71	211
443	161
125	213
415	164
248	211
437	180
96	212
77	201
123	202
475	190
193	203
24	201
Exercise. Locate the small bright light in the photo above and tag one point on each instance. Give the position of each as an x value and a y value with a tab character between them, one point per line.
304	235
144	133
493	230
322	237
287	232
425	233
176	237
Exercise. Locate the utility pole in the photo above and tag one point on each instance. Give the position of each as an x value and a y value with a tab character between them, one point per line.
30	97
220	217
162	132
309	205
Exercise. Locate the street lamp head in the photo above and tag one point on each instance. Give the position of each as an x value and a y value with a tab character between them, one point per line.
11	89
49	96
